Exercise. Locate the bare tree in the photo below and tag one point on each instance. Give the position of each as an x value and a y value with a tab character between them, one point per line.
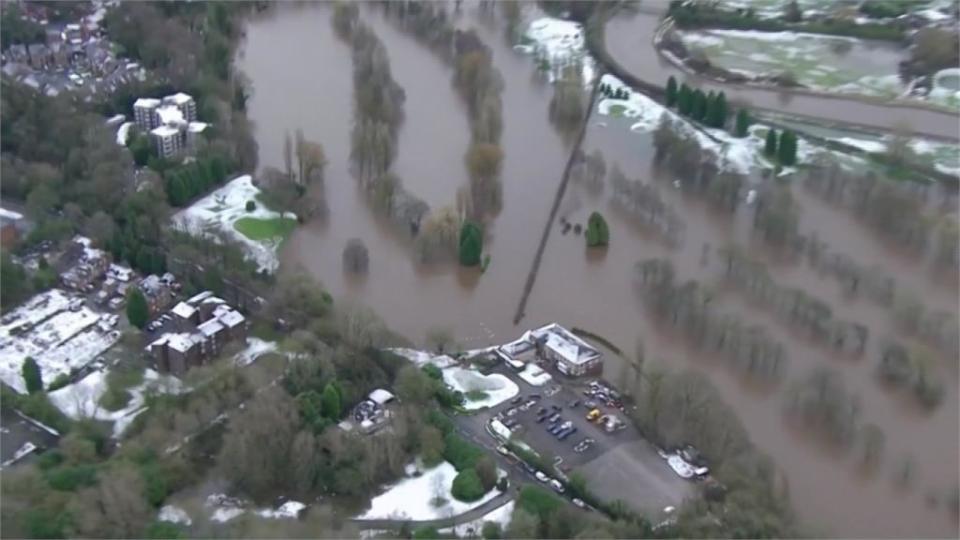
115	507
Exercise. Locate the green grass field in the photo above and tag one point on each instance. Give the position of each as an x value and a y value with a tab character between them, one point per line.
265	229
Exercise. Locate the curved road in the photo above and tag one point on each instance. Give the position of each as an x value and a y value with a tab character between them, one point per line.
442	523
628	39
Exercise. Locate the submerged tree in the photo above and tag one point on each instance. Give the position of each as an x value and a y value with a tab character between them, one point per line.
598	233
470	244
356	259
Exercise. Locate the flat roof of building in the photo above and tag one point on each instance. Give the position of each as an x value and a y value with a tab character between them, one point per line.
147	103
165	131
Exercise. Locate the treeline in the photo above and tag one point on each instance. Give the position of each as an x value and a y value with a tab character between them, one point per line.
822	403
709	109
479	84
378	113
644	204
688	308
805	313
747	497
185	182
703	14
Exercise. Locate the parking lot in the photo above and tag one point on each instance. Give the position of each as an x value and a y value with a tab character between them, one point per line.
616	465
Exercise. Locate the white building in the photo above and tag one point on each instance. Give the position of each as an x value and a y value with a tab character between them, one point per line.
171	122
168	140
144	113
572	355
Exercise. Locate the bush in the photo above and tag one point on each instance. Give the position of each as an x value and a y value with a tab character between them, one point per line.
251	206
433	371
71	478
538	501
467	486
486	471
425	533
598	234
32	377
440	421
460	453
491	530
62	380
476	395
162	530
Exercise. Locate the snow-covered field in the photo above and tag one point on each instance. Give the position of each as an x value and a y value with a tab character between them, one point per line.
817	61
174	514
413	497
498	388
473	528
557	43
47	330
82	398
220	210
946	88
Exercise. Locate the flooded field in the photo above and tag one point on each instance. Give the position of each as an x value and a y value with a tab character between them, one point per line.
818	62
312	90
628	38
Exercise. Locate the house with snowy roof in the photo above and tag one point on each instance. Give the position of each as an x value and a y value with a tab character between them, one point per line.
202	326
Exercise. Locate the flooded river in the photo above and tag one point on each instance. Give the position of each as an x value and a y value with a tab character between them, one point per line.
629	41
311	89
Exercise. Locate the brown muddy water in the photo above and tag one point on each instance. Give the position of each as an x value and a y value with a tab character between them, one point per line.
311	88
629	37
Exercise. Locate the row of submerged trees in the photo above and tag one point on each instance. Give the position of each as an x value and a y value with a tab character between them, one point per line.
378	113
480	84
697	170
893	210
800	310
688	307
646	207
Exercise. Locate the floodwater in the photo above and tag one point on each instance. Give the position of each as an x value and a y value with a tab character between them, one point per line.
629	39
577	288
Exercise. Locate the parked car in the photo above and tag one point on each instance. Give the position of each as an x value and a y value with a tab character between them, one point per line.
541	410
115	302
570	431
555	417
557	428
542	477
557	486
579	504
541	418
529	468
516	400
573	404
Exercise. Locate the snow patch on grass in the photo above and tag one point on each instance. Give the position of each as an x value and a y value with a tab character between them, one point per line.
82	398
413	497
498	388
174	514
422	358
256	347
219	211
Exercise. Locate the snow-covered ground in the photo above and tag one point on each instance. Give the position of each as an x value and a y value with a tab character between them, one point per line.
174	514
498	388
946	88
534	375
473	528
82	398
413	497
123	133
557	43
255	348
47	330
422	358
220	210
